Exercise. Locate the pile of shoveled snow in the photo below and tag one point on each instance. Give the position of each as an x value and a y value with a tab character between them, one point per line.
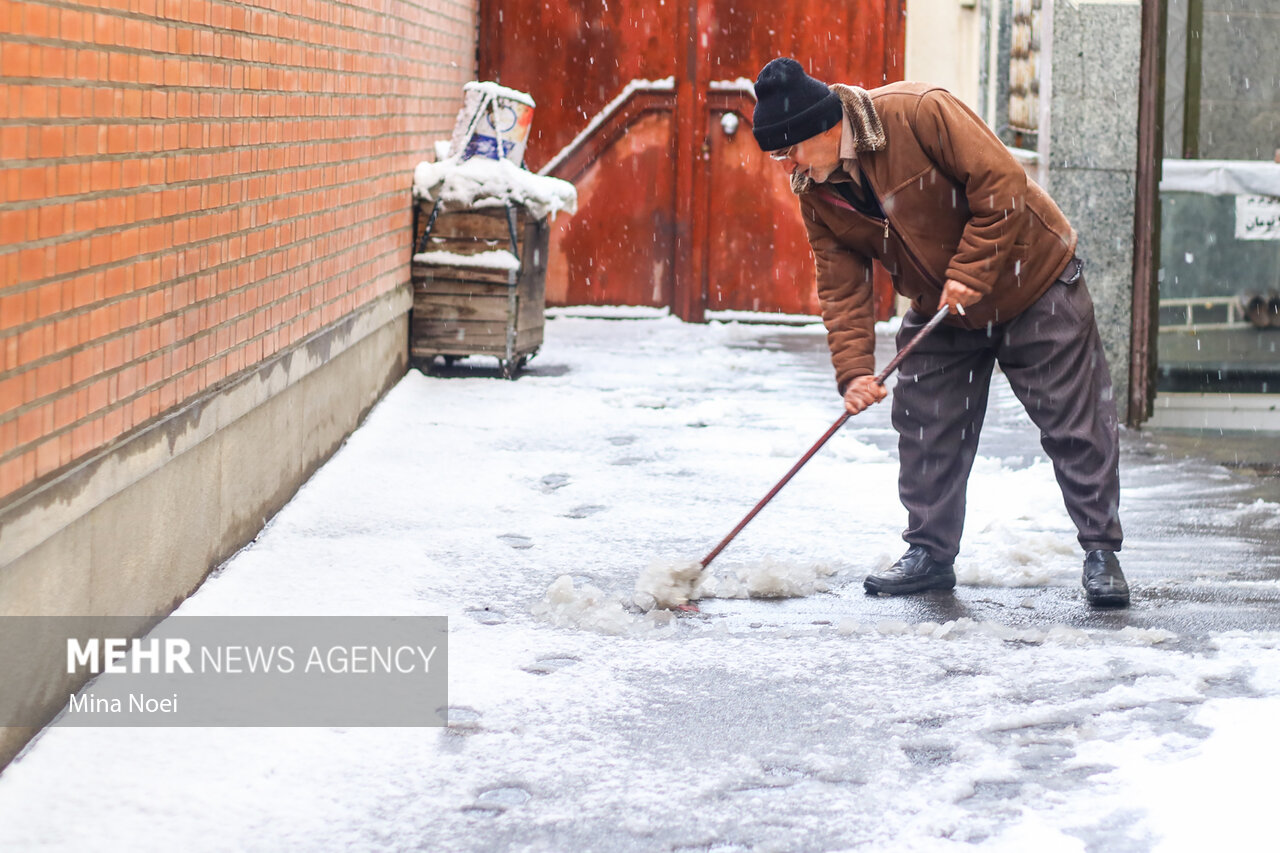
588	607
768	579
664	586
667	585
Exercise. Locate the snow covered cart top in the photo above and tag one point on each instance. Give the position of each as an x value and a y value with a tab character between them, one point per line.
481	182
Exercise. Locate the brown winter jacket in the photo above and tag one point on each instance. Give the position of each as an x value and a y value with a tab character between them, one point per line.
957	205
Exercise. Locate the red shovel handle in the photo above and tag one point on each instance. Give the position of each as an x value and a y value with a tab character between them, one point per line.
831	430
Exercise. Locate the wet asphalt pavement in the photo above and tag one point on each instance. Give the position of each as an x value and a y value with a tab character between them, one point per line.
1196	567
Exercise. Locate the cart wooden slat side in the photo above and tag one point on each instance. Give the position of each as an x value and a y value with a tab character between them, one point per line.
463	310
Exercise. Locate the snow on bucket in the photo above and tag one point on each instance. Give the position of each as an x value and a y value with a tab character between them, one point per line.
493	123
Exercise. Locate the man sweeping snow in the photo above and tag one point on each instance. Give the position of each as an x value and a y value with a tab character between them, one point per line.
906	174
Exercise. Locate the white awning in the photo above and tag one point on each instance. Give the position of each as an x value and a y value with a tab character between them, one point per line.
1221	177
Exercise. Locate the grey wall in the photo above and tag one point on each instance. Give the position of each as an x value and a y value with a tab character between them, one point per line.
1093	157
1239	80
1000	79
1240	83
1175	76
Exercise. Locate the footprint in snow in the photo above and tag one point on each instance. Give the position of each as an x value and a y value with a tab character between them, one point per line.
462	717
501	799
548	665
485	616
515	540
584	511
551	482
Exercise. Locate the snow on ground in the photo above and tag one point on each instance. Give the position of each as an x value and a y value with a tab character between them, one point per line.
1006	717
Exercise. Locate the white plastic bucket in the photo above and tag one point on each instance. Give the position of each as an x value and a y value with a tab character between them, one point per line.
494	122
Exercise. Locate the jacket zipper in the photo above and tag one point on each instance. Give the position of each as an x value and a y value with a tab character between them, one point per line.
906	250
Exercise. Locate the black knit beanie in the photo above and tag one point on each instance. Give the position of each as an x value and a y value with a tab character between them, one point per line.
791	106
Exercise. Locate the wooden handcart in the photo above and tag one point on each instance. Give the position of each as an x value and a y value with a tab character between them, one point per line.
479	284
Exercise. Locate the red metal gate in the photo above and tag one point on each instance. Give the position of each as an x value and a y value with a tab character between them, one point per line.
674	208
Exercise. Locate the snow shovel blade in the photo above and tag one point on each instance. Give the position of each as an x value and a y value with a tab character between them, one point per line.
831	430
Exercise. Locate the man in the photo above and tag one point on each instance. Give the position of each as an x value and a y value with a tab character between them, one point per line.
906	174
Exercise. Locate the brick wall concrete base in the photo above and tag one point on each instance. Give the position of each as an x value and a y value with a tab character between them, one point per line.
135	529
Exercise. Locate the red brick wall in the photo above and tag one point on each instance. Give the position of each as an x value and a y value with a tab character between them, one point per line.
190	186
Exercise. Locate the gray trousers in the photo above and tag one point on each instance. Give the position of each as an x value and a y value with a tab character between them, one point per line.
1053	359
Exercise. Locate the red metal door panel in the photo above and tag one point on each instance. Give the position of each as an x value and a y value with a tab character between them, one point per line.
699	220
573	57
760	258
859	42
761	261
621	253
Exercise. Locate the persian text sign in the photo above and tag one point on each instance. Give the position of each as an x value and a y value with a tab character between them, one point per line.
225	671
1257	217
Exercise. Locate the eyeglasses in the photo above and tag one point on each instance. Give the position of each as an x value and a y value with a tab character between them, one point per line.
781	153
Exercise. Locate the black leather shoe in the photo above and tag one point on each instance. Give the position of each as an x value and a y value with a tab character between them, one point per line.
1104	583
915	571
